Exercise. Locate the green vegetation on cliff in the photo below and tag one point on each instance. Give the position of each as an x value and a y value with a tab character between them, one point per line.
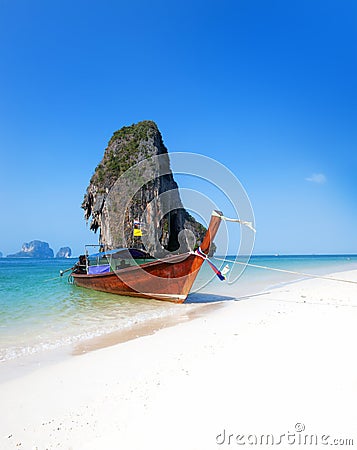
124	150
113	206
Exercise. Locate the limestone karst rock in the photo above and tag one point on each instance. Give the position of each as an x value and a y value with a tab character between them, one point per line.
34	249
126	191
64	252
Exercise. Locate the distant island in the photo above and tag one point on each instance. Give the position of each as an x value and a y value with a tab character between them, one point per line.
34	249
40	249
64	252
0	255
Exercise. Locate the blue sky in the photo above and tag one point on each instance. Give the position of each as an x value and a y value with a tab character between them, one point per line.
268	88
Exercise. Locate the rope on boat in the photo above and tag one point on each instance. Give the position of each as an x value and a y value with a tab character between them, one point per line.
61	273
228	219
50	279
200	253
250	225
309	275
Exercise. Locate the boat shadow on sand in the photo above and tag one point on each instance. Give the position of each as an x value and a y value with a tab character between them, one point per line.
198	297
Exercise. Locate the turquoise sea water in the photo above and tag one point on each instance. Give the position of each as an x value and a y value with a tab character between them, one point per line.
40	311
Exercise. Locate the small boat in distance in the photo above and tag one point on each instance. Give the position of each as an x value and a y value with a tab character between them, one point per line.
134	273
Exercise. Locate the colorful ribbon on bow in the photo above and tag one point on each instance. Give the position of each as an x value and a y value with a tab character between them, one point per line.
200	253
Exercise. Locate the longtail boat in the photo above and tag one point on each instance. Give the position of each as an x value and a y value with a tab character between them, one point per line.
132	272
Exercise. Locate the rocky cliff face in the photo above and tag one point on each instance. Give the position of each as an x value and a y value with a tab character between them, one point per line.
64	252
34	249
134	203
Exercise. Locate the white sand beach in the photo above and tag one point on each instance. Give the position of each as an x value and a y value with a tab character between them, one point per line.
273	364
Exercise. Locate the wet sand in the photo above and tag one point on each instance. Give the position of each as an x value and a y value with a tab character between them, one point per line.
143	329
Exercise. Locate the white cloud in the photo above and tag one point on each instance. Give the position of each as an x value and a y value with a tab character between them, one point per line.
318	178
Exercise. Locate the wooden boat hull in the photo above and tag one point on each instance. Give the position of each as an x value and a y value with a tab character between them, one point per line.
168	279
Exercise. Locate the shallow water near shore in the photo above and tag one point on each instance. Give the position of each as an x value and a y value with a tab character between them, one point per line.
40	312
